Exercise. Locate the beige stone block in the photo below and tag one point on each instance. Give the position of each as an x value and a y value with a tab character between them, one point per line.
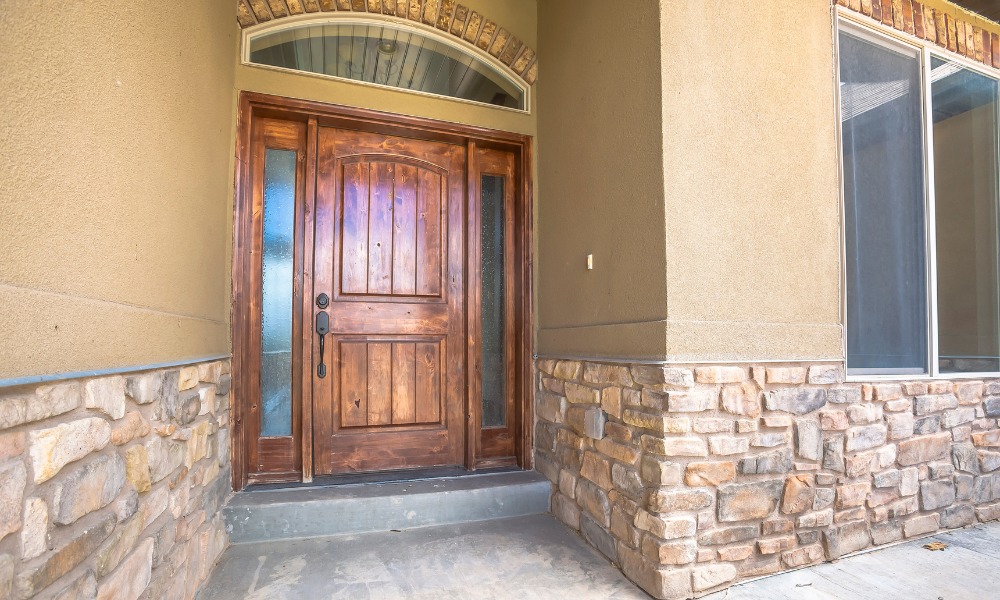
820	518
607	374
581	394
825	374
777	421
723	445
668	500
720	374
568	370
621	452
132	577
700	474
680	446
566	511
12	445
776	545
188	378
659	472
743	400
669	553
660	583
64	559
88	488
137	468
926	448
803	556
35	531
106	395
131	427
798	496
47	401
665	528
851	495
704	425
13	477
735	553
789	375
921	525
53	448
597	469
705	578
668	377
833	420
698	400
611	401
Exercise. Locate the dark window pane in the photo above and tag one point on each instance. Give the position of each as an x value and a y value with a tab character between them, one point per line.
881	113
276	335
493	305
387	56
965	178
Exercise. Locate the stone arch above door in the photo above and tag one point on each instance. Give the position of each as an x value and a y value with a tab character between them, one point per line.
446	15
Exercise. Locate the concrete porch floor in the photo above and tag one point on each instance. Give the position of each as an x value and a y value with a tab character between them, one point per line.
968	569
536	557
533	557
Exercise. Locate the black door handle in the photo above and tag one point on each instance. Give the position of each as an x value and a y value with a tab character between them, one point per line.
322	328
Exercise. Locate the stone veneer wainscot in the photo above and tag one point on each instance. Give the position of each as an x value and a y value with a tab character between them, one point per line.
691	478
110	487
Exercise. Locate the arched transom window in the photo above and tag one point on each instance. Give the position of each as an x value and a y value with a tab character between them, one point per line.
387	54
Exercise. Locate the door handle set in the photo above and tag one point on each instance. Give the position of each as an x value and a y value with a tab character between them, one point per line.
322	328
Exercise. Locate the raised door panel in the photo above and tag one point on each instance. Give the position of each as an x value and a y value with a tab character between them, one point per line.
389	382
391	234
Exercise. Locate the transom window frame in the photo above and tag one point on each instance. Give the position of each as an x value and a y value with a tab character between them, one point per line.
389	21
892	39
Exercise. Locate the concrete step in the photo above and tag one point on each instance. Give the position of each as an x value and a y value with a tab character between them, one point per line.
281	514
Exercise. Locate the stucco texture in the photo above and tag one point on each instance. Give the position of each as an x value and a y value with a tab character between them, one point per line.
600	181
115	136
750	164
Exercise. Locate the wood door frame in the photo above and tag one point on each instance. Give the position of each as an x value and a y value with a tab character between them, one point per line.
253	106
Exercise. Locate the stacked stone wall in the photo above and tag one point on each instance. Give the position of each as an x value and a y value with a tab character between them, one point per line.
111	487
691	478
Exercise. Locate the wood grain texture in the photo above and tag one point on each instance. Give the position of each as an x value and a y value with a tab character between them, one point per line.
380	224
426	405
428	235
404	231
354	229
354	384
404	373
427	383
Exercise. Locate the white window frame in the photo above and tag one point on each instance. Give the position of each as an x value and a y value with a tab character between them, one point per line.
893	39
387	21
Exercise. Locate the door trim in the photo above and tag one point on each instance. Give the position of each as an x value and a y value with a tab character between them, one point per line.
254	106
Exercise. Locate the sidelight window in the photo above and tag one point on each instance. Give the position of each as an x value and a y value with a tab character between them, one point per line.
920	138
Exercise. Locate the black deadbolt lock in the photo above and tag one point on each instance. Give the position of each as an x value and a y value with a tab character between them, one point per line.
322	301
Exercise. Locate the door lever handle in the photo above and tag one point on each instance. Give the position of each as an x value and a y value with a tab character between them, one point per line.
322	328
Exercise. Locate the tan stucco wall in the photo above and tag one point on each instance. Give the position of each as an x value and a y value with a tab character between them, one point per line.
518	16
115	141
751	176
600	181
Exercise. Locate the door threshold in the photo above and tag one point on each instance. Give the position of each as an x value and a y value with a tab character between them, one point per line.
395	476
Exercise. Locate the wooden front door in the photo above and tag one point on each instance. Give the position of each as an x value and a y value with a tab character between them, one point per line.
381	294
389	247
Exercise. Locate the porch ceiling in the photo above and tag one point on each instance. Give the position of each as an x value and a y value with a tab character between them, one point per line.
987	8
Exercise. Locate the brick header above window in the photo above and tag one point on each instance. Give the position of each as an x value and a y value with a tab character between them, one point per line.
933	25
447	15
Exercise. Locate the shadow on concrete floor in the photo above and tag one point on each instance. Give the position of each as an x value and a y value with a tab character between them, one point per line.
533	557
968	569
